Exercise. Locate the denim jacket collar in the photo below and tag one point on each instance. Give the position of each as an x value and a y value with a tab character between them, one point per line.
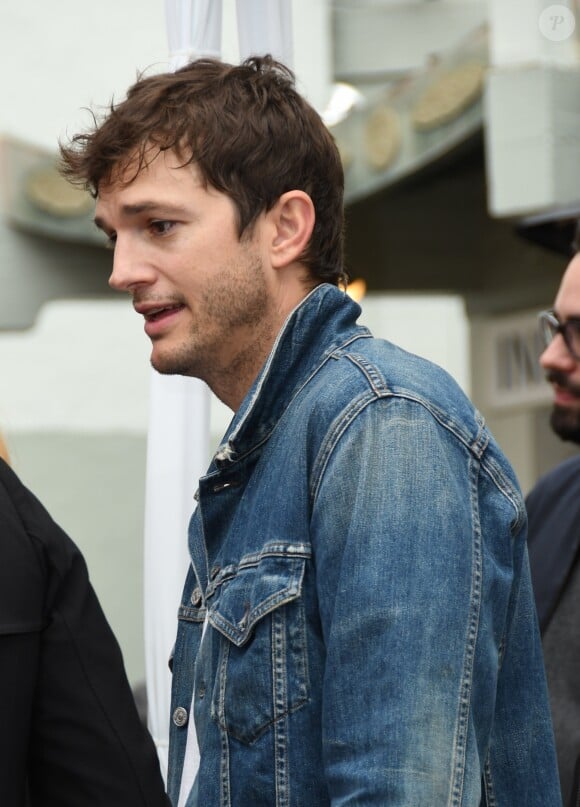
314	329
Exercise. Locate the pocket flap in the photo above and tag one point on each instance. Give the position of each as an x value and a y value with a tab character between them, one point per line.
261	583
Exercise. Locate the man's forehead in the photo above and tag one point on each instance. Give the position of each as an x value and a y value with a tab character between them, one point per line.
150	162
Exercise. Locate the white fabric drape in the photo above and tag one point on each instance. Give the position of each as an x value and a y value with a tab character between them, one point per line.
177	449
194	29
265	26
178	440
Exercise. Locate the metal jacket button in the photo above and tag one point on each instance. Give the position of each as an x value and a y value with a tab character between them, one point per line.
196	596
219	486
180	716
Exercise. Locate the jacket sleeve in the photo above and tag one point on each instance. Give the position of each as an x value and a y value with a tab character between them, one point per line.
412	659
86	744
22	592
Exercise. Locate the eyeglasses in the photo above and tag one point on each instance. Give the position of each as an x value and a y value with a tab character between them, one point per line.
550	326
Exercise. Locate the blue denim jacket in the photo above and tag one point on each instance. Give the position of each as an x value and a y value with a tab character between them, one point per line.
359	552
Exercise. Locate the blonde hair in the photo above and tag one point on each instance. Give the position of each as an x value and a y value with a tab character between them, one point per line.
4	450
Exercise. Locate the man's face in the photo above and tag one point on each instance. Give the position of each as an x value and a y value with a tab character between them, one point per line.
202	291
562	369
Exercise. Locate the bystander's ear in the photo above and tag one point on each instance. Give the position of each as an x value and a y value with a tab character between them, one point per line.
293	219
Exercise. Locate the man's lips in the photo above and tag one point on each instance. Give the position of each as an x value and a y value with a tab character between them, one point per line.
565	392
565	397
152	312
157	315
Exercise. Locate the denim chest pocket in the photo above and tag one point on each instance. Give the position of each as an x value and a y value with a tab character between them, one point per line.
262	673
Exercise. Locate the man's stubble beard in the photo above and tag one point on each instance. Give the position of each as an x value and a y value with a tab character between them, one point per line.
565	423
236	300
565	420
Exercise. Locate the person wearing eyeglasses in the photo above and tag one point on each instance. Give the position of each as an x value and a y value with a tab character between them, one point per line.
554	532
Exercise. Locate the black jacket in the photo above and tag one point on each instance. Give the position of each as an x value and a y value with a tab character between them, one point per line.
554	541
70	735
553	534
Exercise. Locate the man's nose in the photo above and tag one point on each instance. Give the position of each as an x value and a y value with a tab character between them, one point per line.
129	267
557	356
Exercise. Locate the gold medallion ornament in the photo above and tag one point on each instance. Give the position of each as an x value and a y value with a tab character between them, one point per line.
345	154
448	96
51	193
382	137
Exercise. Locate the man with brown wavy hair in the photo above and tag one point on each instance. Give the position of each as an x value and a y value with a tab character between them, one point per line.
222	322
194	112
357	624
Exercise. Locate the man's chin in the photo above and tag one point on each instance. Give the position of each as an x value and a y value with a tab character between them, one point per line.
565	422
167	368
173	364
162	369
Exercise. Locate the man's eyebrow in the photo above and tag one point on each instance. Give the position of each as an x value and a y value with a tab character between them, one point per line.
160	208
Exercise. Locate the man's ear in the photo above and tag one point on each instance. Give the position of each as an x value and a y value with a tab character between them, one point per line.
293	219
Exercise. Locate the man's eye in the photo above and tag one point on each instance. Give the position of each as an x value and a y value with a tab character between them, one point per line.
111	241
161	227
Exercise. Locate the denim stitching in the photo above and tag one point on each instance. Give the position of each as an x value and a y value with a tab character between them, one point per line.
290	592
239	637
506	488
280	704
196	537
371	372
488	784
382	389
476	446
218	710
333	436
332	353
460	742
225	791
188	614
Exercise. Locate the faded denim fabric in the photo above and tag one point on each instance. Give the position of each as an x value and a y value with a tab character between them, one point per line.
359	552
